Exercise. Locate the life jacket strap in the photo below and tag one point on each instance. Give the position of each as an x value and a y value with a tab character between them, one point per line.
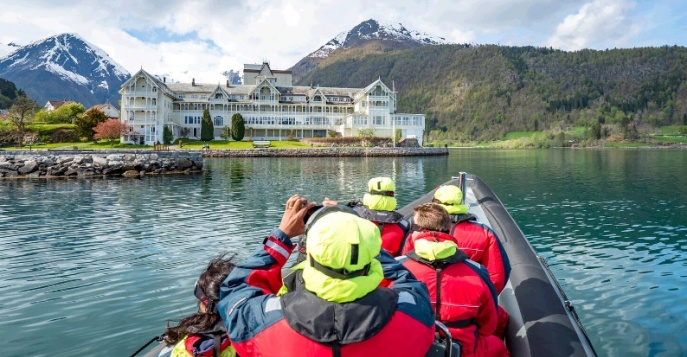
341	273
382	193
460	323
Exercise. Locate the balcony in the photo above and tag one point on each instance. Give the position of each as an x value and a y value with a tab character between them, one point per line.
140	107
141	93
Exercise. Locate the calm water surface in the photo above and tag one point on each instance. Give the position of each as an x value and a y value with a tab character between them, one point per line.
97	267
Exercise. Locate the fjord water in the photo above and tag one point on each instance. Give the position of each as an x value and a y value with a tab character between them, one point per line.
97	266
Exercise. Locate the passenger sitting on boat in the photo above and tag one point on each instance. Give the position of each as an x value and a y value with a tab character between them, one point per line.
478	241
378	205
331	303
464	298
203	334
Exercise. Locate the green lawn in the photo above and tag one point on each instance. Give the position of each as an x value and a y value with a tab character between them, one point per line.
224	144
514	135
188	144
671	130
670	139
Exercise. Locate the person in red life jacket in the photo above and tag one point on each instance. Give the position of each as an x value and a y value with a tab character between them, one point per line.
478	241
330	304
203	334
378	205
464	298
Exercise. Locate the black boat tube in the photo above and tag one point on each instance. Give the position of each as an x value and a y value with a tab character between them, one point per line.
543	322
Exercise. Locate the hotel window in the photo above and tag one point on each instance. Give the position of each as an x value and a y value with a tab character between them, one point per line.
378	120
154	89
219	121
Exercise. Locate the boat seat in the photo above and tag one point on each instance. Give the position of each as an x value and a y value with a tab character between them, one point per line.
443	345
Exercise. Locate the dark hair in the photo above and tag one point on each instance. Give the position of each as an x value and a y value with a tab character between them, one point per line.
209	281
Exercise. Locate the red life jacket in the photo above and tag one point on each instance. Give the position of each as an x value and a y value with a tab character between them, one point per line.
461	293
392	226
375	325
482	245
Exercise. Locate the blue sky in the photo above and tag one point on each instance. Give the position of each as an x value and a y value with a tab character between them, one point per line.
187	39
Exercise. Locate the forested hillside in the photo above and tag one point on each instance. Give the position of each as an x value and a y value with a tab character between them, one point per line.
8	91
483	92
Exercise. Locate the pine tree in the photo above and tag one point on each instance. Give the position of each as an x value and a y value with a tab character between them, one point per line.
207	129
237	127
167	135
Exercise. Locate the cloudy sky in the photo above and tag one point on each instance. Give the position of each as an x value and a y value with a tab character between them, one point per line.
188	39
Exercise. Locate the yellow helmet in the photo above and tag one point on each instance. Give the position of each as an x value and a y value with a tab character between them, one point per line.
341	248
380	196
451	197
342	240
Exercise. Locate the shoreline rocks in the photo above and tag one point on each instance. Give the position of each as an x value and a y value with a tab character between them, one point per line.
137	163
329	152
81	163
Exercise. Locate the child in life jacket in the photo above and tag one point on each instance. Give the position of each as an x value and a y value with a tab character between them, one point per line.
203	334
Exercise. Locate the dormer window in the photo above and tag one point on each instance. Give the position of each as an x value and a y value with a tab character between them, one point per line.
317	98
218	96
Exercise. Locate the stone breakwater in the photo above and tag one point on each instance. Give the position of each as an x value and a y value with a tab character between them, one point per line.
79	163
329	152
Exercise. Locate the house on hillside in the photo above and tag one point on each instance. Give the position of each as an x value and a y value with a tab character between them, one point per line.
271	106
54	104
108	109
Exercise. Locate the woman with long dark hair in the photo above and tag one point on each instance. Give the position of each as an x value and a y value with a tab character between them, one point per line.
202	334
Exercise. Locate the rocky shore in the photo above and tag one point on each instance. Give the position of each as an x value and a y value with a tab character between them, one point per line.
82	163
136	163
329	152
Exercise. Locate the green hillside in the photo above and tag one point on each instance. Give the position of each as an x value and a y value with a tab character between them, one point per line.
8	92
484	92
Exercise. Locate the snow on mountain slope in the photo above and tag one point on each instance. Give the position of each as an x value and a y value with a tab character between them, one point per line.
373	30
65	66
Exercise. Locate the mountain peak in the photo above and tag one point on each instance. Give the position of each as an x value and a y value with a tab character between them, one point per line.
374	30
70	60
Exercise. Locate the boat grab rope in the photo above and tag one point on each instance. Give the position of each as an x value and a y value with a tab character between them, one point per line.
568	304
156	338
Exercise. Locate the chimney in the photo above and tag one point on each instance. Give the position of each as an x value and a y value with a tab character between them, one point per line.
227	83
193	82
164	79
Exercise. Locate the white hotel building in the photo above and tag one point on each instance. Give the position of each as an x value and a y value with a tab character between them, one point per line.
271	106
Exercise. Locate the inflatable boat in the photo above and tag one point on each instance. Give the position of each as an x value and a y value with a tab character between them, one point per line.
543	322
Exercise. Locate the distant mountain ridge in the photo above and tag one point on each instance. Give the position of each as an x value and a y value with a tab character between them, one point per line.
65	66
482	92
383	37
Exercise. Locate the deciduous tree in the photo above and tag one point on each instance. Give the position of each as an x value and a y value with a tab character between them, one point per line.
21	114
207	128
112	129
89	120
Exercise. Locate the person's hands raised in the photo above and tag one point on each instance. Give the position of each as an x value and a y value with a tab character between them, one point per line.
292	221
329	202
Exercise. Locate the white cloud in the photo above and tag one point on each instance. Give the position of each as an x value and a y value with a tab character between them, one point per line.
249	31
601	23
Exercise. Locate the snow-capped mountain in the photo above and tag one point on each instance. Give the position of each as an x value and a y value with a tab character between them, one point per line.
65	67
373	30
384	36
